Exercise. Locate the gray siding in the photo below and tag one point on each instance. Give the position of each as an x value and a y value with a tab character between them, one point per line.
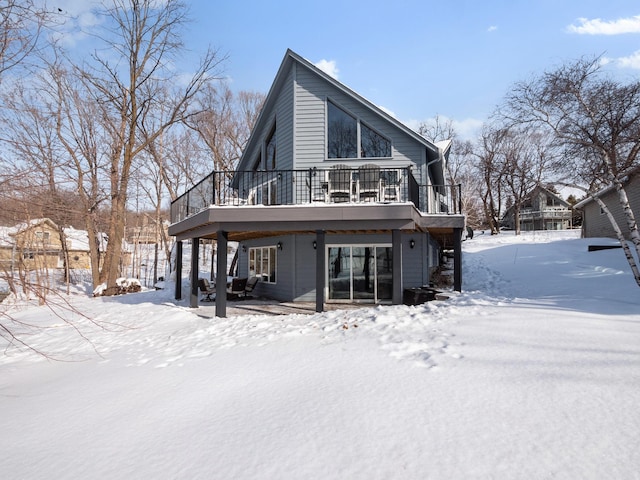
311	93
596	224
296	262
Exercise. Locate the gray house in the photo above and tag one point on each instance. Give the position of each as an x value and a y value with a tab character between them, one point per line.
594	221
333	200
541	210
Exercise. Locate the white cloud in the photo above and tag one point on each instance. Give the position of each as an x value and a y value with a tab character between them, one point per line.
632	61
387	111
492	28
601	27
329	67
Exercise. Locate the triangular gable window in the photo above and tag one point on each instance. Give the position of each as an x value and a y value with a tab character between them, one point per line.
345	133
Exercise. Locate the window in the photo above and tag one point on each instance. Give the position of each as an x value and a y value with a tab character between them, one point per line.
270	150
262	263
43	236
266	194
372	144
342	133
345	133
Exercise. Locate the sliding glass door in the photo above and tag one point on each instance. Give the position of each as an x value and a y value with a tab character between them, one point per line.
359	273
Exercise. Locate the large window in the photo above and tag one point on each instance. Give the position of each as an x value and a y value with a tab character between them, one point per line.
262	263
345	133
372	144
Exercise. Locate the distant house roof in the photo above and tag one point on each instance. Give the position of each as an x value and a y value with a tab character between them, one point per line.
607	189
78	240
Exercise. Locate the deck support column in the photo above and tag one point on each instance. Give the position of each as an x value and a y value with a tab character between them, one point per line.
396	267
320	268
195	259
178	286
221	273
457	259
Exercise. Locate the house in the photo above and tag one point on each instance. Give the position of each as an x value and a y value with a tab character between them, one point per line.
333	200
541	210
36	245
595	222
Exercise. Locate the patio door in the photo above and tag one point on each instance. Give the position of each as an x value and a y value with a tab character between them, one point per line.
359	273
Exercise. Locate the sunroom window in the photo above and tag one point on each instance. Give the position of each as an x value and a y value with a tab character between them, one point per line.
347	137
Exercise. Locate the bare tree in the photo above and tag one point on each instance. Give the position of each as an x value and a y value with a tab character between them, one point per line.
130	93
524	156
490	170
459	166
225	123
21	25
595	121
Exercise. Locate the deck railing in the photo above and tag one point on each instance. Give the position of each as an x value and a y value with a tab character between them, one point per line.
296	187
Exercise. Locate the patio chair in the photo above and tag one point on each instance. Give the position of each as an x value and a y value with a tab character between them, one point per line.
369	182
206	289
391	185
236	288
340	184
251	284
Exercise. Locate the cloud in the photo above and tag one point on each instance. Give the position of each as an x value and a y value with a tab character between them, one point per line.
632	61
329	67
387	111
600	27
492	28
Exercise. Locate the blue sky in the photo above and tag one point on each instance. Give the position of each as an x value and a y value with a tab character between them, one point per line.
454	58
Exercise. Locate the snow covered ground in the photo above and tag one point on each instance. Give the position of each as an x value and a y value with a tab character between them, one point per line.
533	372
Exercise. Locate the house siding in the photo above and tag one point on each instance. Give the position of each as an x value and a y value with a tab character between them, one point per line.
311	93
296	262
596	224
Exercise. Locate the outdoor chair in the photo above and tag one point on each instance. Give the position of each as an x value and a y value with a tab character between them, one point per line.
391	185
340	184
251	284
206	289
369	182
236	288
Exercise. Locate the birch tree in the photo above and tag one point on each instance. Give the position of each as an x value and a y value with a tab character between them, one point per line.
595	121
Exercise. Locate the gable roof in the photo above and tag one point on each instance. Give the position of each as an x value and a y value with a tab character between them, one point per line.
281	77
588	199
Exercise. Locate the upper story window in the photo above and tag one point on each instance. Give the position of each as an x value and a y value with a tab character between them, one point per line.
342	133
372	144
270	150
42	236
269	156
347	137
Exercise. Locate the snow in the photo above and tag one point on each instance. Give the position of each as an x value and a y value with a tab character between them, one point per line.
532	372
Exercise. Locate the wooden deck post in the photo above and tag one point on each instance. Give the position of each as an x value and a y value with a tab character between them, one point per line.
457	259
320	269
396	268
195	254
221	274
178	286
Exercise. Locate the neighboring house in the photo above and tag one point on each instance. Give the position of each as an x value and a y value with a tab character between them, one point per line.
594	221
333	200
541	210
36	245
